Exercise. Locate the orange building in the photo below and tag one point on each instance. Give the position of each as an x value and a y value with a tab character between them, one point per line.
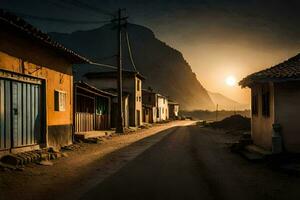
36	88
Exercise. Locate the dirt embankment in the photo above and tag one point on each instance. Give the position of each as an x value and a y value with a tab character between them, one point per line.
233	123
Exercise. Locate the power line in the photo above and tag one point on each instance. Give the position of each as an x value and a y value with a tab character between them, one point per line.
60	20
129	50
102	65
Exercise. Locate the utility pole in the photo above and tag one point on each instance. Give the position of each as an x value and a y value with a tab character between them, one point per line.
119	127
217	112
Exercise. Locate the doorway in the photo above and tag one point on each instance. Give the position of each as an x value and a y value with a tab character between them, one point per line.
20	114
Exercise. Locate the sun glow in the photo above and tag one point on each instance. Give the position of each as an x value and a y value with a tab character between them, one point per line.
231	81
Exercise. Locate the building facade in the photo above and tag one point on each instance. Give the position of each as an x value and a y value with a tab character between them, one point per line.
36	88
162	108
155	105
149	106
92	108
173	109
275	97
132	84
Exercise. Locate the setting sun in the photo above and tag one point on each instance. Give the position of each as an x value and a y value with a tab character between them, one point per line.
231	81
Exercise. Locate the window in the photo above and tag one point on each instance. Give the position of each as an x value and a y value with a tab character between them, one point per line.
266	103
254	104
101	106
138	85
140	99
60	100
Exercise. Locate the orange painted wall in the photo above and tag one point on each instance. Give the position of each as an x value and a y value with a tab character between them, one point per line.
54	81
20	54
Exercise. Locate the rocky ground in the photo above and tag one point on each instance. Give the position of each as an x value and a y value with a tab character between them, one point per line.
84	164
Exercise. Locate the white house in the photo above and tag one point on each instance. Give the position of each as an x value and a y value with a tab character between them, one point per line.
162	108
275	97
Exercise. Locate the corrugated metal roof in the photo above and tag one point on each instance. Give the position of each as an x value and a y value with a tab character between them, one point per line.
95	89
285	71
29	30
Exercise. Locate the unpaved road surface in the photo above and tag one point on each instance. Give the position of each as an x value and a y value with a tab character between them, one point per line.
195	163
84	168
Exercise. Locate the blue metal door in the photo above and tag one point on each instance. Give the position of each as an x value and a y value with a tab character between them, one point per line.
26	108
20	114
5	115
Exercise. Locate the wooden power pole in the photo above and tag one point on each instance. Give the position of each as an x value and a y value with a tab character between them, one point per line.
119	127
217	112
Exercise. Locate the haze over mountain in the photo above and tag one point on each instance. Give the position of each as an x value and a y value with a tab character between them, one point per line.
164	67
225	103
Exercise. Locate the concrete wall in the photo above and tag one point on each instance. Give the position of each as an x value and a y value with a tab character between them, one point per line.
130	86
287	103
138	103
173	110
163	108
21	55
261	126
150	98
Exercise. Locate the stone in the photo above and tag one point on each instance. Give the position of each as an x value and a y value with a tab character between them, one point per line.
11	160
44	156
52	156
46	163
63	154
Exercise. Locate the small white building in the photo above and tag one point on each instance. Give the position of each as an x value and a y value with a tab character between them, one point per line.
155	106
275	102
162	108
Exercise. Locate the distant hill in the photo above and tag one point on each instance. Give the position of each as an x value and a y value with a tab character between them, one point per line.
164	67
225	103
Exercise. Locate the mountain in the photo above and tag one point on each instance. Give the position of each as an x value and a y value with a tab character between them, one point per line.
164	67
225	103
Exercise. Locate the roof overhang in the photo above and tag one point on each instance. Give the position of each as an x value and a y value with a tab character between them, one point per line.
19	25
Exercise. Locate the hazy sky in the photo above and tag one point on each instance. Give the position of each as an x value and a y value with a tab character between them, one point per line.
217	37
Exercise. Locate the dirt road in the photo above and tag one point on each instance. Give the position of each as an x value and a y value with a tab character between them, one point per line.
86	166
195	163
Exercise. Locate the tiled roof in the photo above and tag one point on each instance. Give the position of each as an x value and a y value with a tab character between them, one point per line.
29	30
285	71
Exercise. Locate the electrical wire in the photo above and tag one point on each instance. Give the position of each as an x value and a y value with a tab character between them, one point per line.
129	51
60	20
102	65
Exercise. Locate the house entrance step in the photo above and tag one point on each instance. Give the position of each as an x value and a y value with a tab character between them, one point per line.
93	134
252	156
256	149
